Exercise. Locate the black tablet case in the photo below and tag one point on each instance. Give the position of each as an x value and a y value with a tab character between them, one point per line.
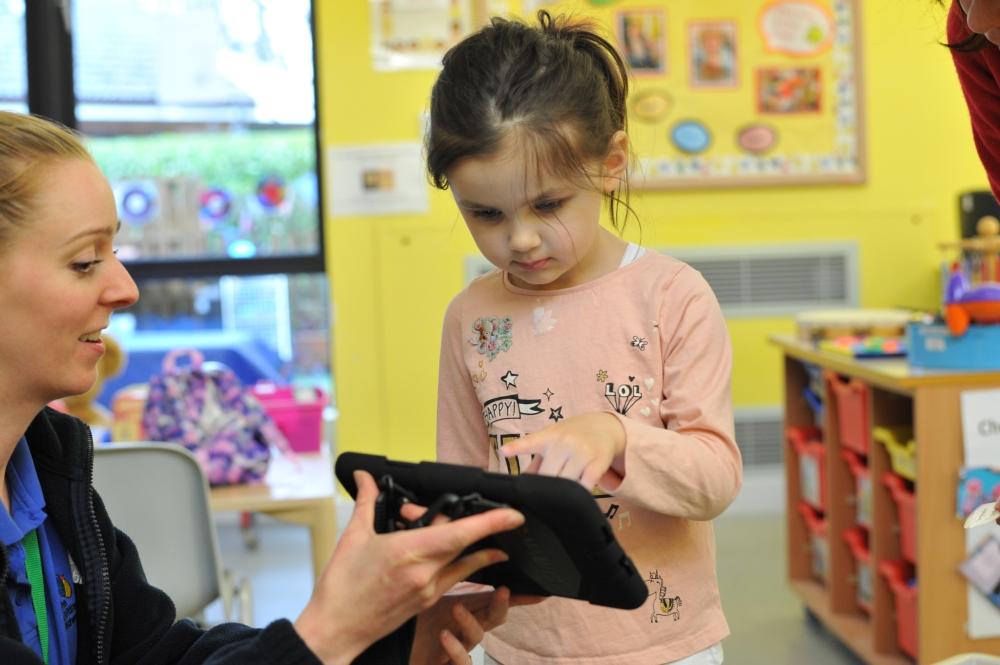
565	548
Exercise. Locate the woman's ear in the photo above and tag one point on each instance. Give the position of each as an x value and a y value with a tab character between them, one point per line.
615	162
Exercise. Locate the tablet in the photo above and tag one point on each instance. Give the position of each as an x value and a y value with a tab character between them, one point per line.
565	547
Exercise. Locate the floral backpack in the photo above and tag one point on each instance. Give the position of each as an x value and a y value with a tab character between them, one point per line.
204	407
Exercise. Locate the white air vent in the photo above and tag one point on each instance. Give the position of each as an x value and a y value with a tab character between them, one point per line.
759	435
777	280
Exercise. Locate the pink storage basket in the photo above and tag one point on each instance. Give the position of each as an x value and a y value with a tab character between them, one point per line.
906	503
862	487
297	412
899	575
819	547
851	403
857	541
806	443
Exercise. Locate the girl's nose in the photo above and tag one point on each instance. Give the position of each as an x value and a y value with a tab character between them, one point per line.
524	235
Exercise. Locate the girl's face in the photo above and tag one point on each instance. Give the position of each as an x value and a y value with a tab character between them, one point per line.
544	230
983	17
61	282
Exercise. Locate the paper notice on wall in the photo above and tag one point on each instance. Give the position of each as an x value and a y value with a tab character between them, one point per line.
376	179
981	428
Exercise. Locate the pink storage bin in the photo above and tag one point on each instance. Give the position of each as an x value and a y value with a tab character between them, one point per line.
819	547
851	405
857	541
807	444
862	487
903	585
906	504
297	412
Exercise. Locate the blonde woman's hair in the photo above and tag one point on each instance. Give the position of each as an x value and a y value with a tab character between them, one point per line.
28	145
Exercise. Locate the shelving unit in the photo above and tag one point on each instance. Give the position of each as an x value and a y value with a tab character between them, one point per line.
929	402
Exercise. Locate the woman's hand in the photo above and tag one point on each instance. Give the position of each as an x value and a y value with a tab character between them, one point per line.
589	448
374	582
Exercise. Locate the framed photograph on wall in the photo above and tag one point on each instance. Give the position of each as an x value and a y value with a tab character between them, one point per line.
712	54
789	90
642	39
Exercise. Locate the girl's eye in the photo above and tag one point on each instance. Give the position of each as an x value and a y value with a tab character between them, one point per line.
487	214
85	267
549	206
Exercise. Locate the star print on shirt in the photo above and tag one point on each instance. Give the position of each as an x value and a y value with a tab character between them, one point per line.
510	379
548	394
556	414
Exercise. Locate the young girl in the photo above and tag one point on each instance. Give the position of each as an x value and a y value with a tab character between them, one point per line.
582	356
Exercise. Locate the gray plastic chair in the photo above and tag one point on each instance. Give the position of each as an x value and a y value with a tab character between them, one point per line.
158	495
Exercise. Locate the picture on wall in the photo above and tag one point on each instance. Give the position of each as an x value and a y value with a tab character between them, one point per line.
713	54
789	90
768	94
642	39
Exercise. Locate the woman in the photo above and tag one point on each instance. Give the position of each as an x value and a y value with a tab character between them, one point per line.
974	35
72	590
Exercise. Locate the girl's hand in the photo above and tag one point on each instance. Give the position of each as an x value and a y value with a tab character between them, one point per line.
588	448
374	582
449	630
456	624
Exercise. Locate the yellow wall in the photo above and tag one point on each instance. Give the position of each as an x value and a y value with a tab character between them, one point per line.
392	276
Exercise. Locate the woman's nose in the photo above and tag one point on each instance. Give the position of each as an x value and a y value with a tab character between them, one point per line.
121	291
982	15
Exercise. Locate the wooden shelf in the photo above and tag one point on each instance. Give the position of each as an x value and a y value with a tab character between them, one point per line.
853	630
889	373
896	394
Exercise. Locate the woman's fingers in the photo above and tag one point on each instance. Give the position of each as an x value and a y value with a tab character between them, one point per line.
450	538
462	568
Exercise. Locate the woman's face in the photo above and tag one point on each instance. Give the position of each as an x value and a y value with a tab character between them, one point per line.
983	17
60	283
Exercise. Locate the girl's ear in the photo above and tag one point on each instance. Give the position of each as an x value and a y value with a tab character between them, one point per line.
615	162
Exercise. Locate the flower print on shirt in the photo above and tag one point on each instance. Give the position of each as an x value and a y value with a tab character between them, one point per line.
492	334
542	320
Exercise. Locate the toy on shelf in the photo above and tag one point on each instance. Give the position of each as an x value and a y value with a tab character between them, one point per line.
967	301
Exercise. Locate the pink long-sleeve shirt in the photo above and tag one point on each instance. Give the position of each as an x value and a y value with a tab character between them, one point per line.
648	343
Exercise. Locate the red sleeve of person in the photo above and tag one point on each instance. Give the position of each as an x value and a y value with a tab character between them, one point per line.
979	75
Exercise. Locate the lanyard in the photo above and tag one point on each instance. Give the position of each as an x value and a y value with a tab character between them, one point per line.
33	567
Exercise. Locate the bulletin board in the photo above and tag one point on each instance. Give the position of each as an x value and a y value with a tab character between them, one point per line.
740	93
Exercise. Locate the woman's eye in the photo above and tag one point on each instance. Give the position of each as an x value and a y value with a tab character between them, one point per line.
85	267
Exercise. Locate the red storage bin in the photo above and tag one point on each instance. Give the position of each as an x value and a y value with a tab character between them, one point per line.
906	504
819	546
857	541
850	398
297	412
862	487
806	442
904	587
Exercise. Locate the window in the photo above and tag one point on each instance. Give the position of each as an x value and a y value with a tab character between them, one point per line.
202	114
13	65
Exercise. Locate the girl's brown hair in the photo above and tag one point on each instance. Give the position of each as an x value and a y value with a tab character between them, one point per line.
559	87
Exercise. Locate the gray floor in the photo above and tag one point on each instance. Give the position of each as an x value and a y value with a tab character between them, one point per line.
768	624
